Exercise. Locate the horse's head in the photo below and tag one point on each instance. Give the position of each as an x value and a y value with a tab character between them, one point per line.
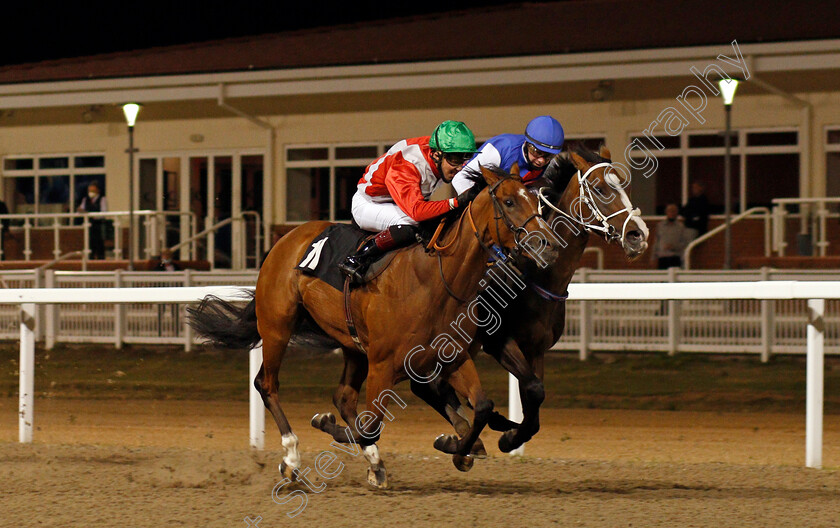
507	214
595	198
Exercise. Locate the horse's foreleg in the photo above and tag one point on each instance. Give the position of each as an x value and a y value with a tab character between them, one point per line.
466	382
440	395
531	391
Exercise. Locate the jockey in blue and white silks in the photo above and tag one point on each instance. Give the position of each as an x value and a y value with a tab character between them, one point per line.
531	151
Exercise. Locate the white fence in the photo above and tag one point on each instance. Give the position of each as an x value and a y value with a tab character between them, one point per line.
813	292
761	327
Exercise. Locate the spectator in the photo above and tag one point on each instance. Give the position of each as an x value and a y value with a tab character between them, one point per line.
166	263
94	202
696	210
671	239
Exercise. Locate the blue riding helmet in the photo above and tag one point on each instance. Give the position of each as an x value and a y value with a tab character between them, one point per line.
545	133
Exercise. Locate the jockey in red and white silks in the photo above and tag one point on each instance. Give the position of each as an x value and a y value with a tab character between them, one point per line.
393	195
395	188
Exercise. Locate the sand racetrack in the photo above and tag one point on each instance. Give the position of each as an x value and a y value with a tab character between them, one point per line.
140	463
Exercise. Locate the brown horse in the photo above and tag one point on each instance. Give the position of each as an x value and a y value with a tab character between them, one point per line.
402	318
592	200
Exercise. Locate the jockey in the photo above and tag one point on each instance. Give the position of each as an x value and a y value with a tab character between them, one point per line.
392	196
531	151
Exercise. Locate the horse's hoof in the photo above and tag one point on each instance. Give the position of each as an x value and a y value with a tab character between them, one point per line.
463	463
497	422
447	443
378	478
478	450
287	471
319	421
507	443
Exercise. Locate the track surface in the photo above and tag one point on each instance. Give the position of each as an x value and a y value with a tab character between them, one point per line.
184	463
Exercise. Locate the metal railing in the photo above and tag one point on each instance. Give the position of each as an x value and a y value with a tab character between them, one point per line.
154	224
246	250
818	221
722	227
239	241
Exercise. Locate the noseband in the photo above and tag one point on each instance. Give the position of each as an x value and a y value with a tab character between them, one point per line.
601	223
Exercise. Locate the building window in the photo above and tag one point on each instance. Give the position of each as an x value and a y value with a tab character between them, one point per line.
51	183
321	180
765	165
832	165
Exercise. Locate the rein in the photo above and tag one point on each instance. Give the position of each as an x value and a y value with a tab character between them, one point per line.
493	252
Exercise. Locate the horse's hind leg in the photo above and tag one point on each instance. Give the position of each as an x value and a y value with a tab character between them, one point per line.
346	397
364	433
466	382
275	340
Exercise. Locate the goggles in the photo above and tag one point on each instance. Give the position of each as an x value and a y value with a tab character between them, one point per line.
537	153
456	159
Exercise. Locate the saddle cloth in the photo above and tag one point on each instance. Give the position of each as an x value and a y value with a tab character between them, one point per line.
328	249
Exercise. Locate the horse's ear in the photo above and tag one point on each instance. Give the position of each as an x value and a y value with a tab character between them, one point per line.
514	170
578	161
489	176
604	152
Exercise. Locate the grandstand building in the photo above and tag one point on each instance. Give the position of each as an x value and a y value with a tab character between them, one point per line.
282	125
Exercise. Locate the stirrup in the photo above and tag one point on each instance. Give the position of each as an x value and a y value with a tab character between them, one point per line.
354	268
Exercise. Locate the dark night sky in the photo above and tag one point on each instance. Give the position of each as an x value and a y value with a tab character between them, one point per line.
37	31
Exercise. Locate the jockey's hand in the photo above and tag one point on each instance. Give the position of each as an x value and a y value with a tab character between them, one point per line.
467	196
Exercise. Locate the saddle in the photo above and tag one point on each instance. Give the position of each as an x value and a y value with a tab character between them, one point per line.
331	247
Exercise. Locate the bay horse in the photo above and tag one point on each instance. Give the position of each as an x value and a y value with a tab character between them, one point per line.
399	316
582	194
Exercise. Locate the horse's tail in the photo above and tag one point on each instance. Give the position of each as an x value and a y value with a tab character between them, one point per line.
226	324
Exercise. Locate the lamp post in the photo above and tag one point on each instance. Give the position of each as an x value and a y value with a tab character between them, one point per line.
727	89
131	110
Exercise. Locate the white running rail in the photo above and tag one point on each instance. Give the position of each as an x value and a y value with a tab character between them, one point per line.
815	292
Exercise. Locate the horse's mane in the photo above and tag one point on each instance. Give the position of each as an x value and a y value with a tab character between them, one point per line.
561	169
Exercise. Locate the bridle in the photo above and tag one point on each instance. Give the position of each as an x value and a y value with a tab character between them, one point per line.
601	222
500	214
494	251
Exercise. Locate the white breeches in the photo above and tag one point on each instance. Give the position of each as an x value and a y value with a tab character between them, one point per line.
377	216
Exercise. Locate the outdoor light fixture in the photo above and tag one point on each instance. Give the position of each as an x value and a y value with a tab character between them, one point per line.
727	90
131	110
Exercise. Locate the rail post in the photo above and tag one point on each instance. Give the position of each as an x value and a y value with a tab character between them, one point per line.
815	374
119	313
768	330
585	322
27	372
188	331
255	401
673	317
50	314
515	409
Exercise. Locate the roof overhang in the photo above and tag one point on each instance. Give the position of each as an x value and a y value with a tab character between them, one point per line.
635	64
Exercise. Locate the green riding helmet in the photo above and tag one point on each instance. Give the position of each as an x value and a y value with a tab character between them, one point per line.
452	136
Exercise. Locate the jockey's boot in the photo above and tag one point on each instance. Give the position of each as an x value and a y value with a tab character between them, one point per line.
356	265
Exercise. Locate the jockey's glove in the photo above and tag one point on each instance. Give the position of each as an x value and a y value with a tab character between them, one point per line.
465	197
